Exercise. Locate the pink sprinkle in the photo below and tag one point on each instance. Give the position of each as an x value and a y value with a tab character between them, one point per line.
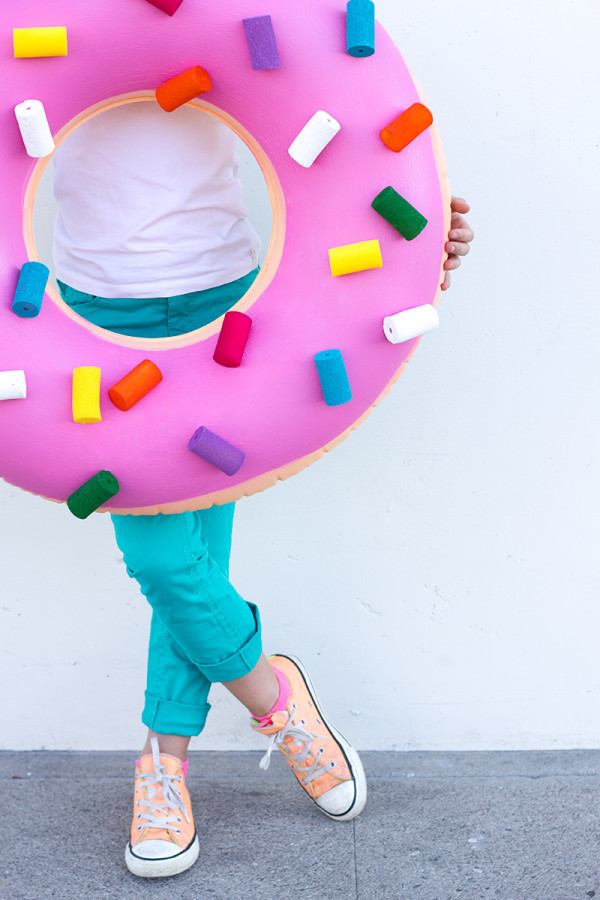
168	6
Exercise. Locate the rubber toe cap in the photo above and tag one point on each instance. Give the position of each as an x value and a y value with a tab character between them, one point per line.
338	801
156	849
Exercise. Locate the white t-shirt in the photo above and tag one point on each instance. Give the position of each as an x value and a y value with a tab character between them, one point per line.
150	205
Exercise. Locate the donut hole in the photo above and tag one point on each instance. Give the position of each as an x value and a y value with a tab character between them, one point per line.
241	205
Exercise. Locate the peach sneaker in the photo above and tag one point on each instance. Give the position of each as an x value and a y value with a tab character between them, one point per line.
327	767
163	837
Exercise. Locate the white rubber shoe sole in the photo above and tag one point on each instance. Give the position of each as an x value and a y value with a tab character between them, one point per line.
159	866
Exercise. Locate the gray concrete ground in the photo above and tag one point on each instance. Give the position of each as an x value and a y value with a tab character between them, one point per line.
474	826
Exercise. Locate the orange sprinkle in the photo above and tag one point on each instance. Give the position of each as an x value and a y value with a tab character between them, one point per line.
135	385
413	121
183	88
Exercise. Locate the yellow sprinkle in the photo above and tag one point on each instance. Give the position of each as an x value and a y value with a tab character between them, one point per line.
86	394
355	257
30	42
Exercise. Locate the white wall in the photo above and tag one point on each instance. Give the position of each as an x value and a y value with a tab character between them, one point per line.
438	571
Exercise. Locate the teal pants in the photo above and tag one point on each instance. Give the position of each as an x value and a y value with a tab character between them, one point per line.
202	631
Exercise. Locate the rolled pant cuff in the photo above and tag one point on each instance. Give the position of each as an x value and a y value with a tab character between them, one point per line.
171	717
240	663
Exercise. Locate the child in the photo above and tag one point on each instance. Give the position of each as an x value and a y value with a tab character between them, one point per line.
152	239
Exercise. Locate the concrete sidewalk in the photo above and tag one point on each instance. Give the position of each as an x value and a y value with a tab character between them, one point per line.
474	826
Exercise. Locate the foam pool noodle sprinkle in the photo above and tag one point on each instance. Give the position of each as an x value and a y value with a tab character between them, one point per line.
406	127
169	7
86	394
216	450
262	42
232	339
333	377
360	28
355	257
401	215
37	42
29	294
135	385
183	88
92	494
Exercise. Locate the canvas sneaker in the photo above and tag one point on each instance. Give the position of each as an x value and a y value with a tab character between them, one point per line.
163	837
327	767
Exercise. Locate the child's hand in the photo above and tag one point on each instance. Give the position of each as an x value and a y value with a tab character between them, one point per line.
459	238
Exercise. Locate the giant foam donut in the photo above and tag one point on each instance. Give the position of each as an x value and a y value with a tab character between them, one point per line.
272	405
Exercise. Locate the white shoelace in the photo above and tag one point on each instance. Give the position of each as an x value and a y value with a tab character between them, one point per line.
304	738
171	796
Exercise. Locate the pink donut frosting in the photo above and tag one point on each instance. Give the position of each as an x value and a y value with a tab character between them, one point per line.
270	407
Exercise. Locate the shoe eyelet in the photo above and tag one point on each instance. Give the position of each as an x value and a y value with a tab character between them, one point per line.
139	828
178	831
179	818
139	816
332	764
303	721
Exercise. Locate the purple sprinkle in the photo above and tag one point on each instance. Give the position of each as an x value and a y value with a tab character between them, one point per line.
216	451
262	43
